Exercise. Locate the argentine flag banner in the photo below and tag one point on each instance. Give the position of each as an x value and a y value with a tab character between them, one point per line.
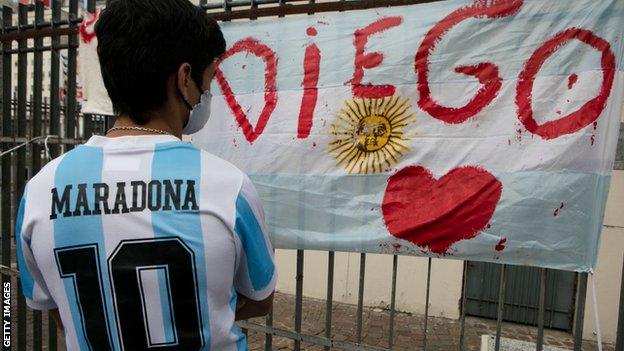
483	130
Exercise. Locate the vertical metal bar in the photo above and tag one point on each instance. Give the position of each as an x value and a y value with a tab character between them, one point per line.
542	311
254	6
360	305
462	318
298	297
395	264
226	7
619	343
501	306
36	106
268	337
553	295
20	181
91	6
70	113
87	119
427	304
7	130
580	311
37	99
329	299
55	66
55	127
52	337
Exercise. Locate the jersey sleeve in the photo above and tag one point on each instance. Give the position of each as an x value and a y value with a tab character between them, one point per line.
33	286
255	275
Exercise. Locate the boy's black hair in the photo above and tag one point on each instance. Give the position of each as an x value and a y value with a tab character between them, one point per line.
141	43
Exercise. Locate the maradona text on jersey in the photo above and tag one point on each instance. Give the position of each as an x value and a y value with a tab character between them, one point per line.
102	198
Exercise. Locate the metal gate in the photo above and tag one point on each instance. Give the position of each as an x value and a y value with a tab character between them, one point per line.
34	114
521	299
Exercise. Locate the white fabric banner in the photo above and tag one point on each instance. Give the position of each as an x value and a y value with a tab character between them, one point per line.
480	130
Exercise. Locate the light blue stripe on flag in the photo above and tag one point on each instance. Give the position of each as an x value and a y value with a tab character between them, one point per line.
179	160
83	165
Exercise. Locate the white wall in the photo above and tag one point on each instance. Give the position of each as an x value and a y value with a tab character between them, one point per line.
608	273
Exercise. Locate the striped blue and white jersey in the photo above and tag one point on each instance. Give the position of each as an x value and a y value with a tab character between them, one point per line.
143	242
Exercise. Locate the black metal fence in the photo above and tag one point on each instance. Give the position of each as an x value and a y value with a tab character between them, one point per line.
34	119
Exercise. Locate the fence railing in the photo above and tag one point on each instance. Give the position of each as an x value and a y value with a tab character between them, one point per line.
30	117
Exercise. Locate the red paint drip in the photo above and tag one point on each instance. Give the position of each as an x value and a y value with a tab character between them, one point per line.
572	79
595	125
587	113
314	144
438	213
501	244
592	140
311	31
558	112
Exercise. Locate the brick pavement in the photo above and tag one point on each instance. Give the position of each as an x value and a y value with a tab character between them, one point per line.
443	333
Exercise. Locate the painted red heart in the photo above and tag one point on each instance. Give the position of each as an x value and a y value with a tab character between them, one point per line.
255	47
435	214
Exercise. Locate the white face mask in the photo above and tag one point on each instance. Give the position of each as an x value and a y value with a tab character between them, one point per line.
199	114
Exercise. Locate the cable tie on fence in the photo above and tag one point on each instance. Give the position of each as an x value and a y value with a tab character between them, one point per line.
45	142
47	147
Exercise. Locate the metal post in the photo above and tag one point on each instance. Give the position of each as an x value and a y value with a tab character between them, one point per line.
71	115
395	263
462	318
580	311
268	338
55	68
542	311
37	101
427	304
360	305
55	127
37	98
501	306
299	297
330	296
20	181
7	130
87	119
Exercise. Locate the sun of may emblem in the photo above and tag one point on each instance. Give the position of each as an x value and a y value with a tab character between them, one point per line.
368	134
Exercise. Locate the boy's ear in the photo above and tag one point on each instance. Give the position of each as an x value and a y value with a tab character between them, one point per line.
183	80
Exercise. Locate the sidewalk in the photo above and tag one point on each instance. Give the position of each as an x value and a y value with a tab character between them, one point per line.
443	333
